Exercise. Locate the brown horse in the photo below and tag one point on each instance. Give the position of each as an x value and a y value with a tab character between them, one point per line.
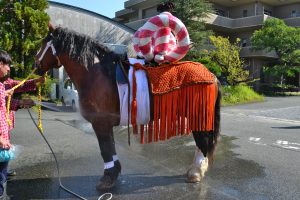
92	68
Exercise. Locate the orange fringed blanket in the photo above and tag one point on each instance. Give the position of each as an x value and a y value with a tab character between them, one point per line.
184	97
166	78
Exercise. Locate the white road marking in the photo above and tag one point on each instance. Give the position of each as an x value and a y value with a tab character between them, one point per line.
255	140
286	145
262	117
279	143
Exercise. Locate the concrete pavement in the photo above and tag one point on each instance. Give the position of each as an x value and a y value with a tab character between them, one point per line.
257	158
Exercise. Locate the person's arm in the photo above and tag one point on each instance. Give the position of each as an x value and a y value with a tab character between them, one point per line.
30	85
16	104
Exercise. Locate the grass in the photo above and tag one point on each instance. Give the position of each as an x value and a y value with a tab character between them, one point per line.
239	94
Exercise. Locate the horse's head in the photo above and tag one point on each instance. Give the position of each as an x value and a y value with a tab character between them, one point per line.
47	58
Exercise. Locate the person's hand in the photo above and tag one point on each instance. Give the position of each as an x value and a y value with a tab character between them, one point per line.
26	103
4	143
9	92
40	80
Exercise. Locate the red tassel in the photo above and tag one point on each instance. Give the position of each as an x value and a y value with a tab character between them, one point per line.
150	130
142	134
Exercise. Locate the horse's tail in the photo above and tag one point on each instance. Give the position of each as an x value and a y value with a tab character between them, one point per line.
207	141
217	120
217	123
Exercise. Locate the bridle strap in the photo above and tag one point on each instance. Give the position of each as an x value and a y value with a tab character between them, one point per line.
50	45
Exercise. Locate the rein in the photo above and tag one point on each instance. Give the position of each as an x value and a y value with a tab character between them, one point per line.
40	126
9	98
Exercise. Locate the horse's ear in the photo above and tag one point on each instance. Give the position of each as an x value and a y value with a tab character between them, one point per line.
51	27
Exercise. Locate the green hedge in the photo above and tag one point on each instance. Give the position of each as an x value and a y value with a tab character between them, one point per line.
239	94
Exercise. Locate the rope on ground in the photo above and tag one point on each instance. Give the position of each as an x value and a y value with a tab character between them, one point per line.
105	196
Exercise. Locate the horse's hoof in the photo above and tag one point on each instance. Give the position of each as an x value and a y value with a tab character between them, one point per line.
193	175
109	179
196	173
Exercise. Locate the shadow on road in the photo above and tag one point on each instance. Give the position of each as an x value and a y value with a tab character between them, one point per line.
288	127
48	188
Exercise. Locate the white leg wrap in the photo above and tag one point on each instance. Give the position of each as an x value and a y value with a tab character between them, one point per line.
115	158
199	157
123	96
109	165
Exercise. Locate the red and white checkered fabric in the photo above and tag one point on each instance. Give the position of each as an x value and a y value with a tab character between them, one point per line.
163	38
3	122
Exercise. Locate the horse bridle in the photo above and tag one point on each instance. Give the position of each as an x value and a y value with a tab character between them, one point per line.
49	45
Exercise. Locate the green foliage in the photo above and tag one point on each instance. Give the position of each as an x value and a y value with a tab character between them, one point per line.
47	86
227	55
192	14
276	36
22	26
210	65
239	94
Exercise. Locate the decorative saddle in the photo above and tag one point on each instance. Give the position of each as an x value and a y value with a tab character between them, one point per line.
184	96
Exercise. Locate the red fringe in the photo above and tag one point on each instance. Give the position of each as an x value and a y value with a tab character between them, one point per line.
180	111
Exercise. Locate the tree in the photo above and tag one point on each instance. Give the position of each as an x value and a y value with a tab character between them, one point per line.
23	23
227	55
192	13
276	36
211	65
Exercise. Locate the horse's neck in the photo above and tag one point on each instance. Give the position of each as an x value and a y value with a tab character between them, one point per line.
77	73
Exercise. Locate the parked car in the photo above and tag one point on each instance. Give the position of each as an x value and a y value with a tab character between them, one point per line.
69	95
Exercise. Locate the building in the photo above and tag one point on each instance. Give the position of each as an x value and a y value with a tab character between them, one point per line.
114	34
233	19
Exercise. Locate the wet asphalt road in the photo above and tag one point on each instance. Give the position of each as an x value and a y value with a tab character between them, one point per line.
258	157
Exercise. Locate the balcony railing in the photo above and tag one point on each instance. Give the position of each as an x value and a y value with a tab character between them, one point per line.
130	3
247	52
124	12
238	23
137	24
294	21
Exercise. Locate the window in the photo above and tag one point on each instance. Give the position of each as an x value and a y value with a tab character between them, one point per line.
220	12
267	12
244	42
149	12
294	13
68	83
245	13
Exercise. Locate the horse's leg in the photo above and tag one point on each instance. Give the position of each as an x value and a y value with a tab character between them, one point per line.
200	162
206	143
112	166
115	156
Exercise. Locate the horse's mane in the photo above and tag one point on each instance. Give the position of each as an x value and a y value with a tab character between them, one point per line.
79	47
